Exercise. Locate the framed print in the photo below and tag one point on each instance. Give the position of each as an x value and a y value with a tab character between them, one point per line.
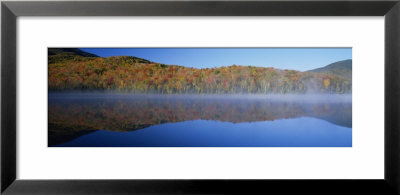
214	106
199	97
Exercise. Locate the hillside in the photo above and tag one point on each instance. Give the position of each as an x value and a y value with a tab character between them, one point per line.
341	68
135	75
58	55
69	51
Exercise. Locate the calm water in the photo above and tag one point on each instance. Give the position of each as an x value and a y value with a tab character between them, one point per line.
110	120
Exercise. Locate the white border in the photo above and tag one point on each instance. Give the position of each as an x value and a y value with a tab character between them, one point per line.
362	161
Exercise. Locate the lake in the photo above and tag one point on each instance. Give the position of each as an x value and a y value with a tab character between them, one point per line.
125	120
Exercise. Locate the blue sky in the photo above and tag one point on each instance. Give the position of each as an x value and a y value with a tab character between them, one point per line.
283	58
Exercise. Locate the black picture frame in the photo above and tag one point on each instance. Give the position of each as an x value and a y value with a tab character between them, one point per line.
10	10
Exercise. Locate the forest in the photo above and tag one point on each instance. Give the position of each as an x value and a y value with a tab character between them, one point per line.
77	70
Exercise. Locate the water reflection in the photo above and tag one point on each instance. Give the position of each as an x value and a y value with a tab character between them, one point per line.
73	116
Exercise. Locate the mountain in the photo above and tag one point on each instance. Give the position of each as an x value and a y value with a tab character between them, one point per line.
341	68
76	70
69	51
68	54
73	54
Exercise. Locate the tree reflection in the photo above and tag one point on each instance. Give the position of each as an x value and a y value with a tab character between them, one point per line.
72	118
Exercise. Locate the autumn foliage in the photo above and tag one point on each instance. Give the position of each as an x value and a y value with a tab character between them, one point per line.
136	75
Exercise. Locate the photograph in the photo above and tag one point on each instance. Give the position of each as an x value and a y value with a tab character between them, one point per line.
200	97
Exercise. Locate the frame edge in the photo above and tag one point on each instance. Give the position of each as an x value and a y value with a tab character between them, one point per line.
8	97
392	97
202	8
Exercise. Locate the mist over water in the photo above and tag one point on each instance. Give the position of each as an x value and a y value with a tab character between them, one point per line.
137	97
311	98
82	119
